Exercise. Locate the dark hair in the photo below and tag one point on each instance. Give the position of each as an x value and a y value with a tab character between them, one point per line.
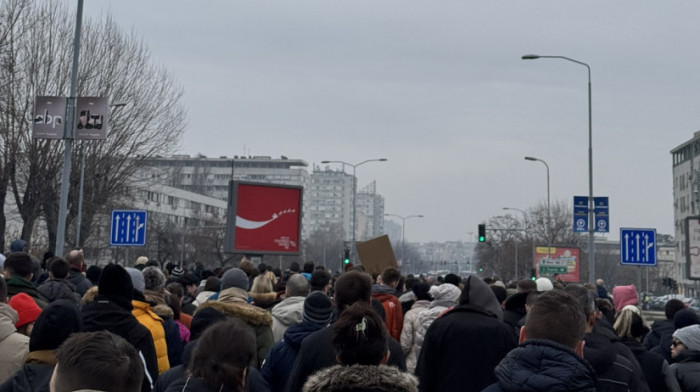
672	307
352	287
188	279
173	301
500	292
453	279
586	298
410	282
556	316
421	290
212	284
59	267
390	275
175	289
294	267
319	280
98	360
20	264
3	290
222	353
93	273
309	267
526	285
359	336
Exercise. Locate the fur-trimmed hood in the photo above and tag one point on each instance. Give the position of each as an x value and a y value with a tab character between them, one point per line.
380	378
245	311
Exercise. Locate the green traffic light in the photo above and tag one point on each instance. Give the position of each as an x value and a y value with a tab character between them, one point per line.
346	261
534	278
482	239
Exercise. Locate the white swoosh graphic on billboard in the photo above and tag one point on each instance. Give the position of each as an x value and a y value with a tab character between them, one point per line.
249	224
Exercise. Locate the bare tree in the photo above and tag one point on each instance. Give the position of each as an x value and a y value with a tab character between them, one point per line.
112	64
324	245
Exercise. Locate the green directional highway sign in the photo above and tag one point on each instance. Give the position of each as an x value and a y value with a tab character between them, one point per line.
553	269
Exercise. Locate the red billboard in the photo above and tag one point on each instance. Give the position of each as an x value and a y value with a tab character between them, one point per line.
558	263
263	218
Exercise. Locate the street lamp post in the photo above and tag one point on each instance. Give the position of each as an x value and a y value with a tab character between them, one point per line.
591	216
354	188
403	231
549	210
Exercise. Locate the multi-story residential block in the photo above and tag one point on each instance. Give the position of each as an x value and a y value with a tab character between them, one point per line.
370	213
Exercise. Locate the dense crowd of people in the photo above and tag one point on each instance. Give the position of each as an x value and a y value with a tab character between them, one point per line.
65	327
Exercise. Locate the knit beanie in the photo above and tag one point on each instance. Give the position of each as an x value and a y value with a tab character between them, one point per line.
544	284
297	286
177	272
60	319
689	336
27	310
624	295
141	260
18	245
203	319
445	292
137	279
115	284
684	318
318	308
93	274
235	277
154	279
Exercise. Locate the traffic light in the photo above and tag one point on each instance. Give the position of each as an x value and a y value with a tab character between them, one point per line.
346	257
482	232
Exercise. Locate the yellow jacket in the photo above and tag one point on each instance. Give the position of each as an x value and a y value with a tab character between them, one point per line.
145	316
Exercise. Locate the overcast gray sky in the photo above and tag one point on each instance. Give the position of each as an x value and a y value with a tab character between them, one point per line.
438	88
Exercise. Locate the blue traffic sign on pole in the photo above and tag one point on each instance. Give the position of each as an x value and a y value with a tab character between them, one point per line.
580	214
602	217
128	228
638	246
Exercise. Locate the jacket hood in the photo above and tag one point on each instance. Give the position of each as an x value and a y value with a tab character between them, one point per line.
599	351
477	293
203	297
361	378
54	289
289	311
540	365
243	310
8	318
294	335
380	288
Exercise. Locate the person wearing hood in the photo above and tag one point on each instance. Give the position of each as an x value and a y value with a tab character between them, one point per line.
290	310
469	339
685	350
233	302
54	325
317	314
385	292
549	357
145	316
661	330
411	324
445	297
111	311
58	286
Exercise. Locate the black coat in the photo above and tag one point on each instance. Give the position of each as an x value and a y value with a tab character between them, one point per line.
652	364
82	284
686	369
603	328
317	352
105	315
461	350
659	338
32	377
54	289
541	365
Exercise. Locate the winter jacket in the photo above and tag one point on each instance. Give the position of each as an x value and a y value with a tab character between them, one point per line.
407	300
203	297
514	311
54	289
174	343
253	383
82	284
105	315
232	302
654	367
613	370
317	352
392	309
603	328
13	345
35	375
280	360
660	336
16	285
145	316
380	378
409	332
542	365
286	313
686	369
467	341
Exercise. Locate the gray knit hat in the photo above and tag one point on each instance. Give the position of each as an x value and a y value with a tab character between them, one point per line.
136	279
235	277
689	336
154	279
318	308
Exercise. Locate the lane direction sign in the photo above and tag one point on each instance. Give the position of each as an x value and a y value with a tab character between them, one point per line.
638	246
128	228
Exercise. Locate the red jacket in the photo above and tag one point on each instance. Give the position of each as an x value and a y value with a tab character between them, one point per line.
394	315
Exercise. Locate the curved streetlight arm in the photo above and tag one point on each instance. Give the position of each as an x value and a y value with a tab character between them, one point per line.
535	57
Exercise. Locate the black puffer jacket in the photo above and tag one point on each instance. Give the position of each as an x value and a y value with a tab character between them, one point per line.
541	365
686	369
54	289
32	377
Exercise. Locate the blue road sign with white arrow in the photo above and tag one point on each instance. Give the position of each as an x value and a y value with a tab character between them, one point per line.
128	228
638	246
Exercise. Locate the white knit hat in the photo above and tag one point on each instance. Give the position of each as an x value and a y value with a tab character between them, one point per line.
544	284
